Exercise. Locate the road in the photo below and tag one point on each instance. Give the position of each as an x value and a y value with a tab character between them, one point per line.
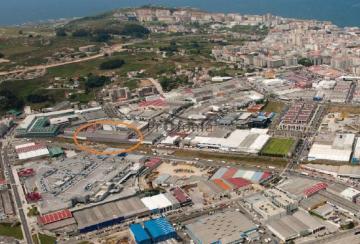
4	160
114	48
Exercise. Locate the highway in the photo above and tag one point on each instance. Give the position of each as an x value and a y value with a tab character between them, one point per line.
4	160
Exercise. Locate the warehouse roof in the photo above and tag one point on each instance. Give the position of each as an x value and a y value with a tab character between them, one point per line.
159	227
159	201
139	233
327	152
54	217
108	211
291	226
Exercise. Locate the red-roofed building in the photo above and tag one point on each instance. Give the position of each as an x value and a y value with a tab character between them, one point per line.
222	184
33	197
30	148
314	189
229	174
153	163
238	182
181	196
26	172
255	108
54	217
153	103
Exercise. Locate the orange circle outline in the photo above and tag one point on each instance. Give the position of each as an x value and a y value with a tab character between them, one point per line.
110	122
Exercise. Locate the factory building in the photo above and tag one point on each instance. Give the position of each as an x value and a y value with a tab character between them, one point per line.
250	141
139	235
340	149
108	214
293	226
160	230
31	150
38	125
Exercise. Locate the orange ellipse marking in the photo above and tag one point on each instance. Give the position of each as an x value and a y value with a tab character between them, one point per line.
107	122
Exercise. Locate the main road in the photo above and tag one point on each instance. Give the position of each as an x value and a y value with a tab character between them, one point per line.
4	161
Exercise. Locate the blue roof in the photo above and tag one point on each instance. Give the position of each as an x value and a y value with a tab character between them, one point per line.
139	233
159	227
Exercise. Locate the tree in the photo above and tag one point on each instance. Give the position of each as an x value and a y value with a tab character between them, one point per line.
305	62
112	64
81	33
60	32
8	100
94	81
102	37
134	30
169	83
38	98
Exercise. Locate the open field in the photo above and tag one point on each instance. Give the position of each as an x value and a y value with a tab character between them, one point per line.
278	147
274	106
15	231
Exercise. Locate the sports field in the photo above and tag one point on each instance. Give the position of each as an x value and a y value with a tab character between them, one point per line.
278	147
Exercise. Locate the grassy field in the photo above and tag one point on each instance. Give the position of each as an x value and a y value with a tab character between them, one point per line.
274	106
13	231
278	147
45	239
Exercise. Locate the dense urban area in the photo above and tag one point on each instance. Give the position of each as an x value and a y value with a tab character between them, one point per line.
158	125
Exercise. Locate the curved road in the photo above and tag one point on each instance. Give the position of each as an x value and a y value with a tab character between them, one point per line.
114	48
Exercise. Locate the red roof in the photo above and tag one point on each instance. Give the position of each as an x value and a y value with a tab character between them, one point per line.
30	148
229	174
155	103
153	162
2	182
222	184
180	195
314	189
54	217
238	182
26	172
265	176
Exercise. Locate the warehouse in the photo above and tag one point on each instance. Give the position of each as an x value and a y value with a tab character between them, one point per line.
250	176
139	234
31	150
340	149
293	226
343	171
39	127
296	187
250	141
159	203
111	213
160	230
226	227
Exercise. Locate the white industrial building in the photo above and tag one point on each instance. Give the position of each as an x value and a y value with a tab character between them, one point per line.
340	150
31	150
350	194
250	141
158	203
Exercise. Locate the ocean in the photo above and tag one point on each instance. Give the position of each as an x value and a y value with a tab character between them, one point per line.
340	12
